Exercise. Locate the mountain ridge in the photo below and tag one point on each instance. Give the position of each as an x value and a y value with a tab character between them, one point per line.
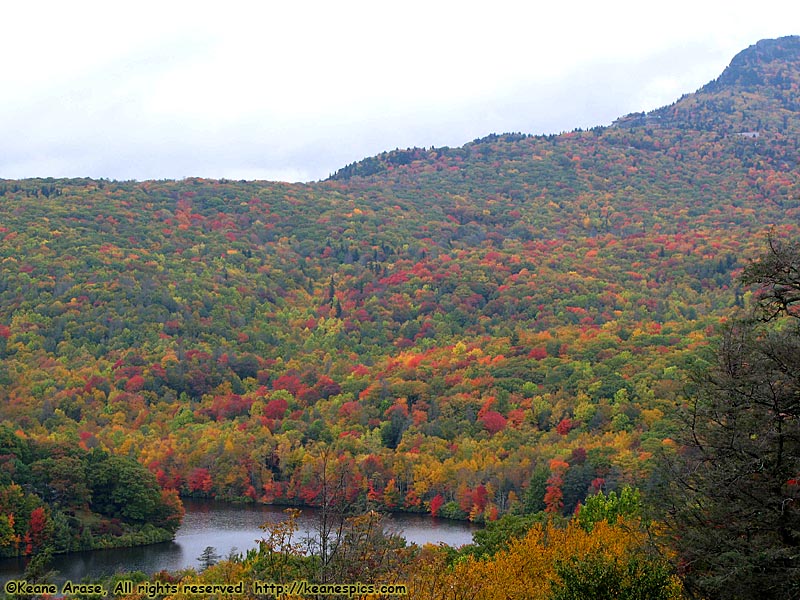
750	70
447	325
747	68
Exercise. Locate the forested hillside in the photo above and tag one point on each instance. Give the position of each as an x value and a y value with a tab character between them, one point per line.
502	327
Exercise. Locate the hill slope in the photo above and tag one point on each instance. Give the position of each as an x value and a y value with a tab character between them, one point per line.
451	327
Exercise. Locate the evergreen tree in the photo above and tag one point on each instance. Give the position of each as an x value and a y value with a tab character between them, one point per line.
734	488
208	558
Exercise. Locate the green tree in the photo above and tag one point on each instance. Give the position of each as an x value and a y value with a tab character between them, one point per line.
733	509
61	480
208	558
497	534
602	577
602	507
122	488
533	500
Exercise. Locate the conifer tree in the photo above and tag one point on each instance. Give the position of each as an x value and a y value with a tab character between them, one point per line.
734	488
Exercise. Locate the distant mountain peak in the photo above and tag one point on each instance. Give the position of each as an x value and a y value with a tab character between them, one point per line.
755	94
750	68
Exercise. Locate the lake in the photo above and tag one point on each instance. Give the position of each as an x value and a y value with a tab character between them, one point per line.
226	527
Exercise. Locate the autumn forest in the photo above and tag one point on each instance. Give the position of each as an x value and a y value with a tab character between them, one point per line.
524	332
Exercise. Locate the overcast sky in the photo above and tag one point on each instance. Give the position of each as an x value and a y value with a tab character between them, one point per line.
294	90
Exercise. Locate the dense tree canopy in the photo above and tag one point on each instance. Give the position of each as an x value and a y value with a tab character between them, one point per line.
735	486
504	327
58	498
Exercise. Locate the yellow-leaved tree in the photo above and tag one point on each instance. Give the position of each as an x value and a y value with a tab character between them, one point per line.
552	563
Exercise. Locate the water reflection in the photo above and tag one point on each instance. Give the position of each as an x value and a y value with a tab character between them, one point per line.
226	527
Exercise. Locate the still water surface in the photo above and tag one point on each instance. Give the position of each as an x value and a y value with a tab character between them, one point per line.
226	527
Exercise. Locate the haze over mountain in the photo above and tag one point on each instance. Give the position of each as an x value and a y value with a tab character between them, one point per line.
446	321
292	92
